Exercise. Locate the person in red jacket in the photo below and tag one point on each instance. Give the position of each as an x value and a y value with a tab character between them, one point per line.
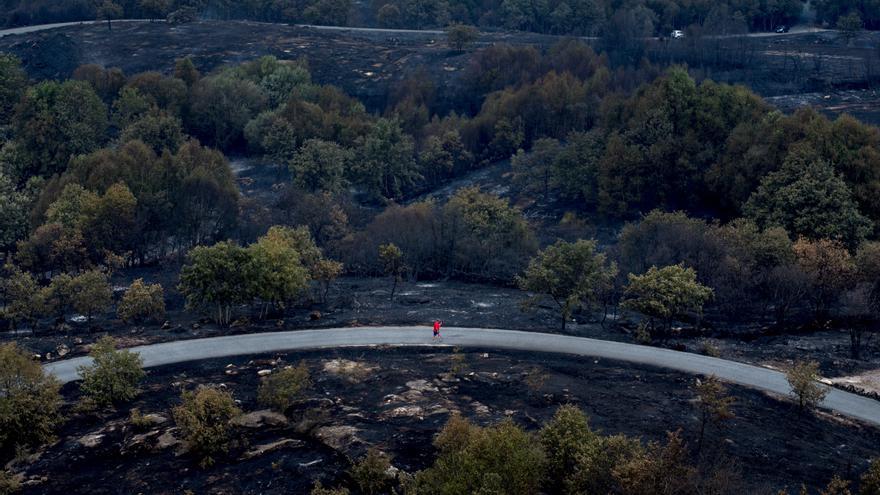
437	325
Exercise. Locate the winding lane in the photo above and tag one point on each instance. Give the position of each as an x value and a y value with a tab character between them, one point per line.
845	403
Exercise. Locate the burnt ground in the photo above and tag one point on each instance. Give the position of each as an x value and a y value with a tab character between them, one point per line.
397	399
365	64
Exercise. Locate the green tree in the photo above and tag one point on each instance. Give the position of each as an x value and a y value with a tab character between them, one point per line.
204	420
460	36
565	438
662	470
321	166
391	258
213	278
109	10
129	107
665	293
807	197
714	405
803	377
499	459
221	108
370	474
113	376
385	161
155	9
572	274
142	301
29	402
56	121
849	25
90	293
25	301
282	388
870	480
14	208
829	271
158	130
275	267
13	82
444	157
186	71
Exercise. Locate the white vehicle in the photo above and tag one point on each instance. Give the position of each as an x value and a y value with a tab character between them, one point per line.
677	34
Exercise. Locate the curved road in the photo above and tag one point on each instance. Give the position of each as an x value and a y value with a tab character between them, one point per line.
435	32
845	403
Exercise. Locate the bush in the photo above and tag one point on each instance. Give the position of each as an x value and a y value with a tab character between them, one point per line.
319	489
204	420
29	402
114	375
498	459
8	483
371	473
803	378
142	302
279	390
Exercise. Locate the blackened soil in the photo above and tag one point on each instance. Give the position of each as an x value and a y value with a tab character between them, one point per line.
397	399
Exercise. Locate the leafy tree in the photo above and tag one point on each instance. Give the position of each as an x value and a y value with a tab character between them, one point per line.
142	301
534	170
13	82
111	223
807	197
385	158
185	70
14	207
444	157
90	293
165	93
870	480
572	274
319	489
108	11
486	236
25	301
714	405
665	293
282	388
275	267
221	108
564	438
158	130
56	121
849	25
213	278
105	82
829	270
321	166
155	9
499	459
204	420
325	271
662	470
460	36
113	376
129	107
391	258
370	474
803	378
29	402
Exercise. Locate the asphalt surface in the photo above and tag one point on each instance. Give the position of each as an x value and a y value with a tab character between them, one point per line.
845	403
434	32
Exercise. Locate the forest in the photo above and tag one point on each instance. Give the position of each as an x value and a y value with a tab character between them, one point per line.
623	200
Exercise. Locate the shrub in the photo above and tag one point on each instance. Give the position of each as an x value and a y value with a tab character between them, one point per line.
279	390
142	302
114	375
204	420
371	473
29	402
8	483
319	489
803	378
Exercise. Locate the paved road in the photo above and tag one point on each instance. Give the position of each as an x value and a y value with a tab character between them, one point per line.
46	27
845	403
435	32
